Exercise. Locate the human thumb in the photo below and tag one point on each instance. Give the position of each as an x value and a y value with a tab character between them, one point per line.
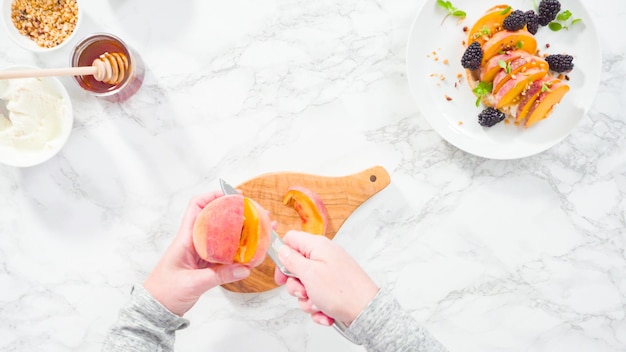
292	260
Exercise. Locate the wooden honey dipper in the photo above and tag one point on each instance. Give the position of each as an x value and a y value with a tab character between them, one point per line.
109	68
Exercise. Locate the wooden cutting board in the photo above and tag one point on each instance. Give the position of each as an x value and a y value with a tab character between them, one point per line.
341	195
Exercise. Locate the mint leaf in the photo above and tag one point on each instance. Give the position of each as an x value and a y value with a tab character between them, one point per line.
505	65
505	11
564	16
481	90
459	13
561	21
444	4
447	5
555	26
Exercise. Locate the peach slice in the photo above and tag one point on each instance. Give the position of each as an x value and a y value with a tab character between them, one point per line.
530	95
514	87
490	22
516	66
310	207
232	229
490	69
545	102
509	40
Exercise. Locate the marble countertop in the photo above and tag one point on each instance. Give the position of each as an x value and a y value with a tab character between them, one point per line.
518	255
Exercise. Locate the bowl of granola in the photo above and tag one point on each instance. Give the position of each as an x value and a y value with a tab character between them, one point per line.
41	25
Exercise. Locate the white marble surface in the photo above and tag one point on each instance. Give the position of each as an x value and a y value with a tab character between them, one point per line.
521	255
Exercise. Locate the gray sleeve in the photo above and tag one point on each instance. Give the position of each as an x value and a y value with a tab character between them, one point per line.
384	326
143	325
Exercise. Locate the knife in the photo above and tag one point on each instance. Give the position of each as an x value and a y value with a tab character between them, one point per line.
272	251
275	241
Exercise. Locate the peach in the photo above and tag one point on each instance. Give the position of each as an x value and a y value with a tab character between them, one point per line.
514	87
310	207
232	229
490	22
545	102
509	40
517	66
489	70
530	95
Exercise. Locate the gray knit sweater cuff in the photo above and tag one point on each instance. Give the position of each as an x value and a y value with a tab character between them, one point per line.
144	324
385	326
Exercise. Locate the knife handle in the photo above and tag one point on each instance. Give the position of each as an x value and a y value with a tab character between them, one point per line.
272	251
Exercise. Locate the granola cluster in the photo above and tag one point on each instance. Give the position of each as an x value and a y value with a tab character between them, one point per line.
47	22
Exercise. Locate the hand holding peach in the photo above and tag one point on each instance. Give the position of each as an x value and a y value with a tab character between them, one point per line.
181	276
330	284
232	229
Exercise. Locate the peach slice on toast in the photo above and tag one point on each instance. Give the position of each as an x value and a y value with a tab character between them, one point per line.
489	24
509	40
512	89
545	102
490	69
529	96
517	66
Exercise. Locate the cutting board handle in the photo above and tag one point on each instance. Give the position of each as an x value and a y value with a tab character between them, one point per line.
341	195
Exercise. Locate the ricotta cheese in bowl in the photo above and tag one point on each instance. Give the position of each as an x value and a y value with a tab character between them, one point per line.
35	120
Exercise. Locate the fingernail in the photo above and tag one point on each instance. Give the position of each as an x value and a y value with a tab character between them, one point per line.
314	307
283	252
326	322
299	294
241	272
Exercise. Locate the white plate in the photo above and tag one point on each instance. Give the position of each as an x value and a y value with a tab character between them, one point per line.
27	157
456	120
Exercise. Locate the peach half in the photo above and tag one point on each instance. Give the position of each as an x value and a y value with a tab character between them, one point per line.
232	229
310	207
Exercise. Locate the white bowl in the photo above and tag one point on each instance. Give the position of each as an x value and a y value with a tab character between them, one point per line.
24	41
18	154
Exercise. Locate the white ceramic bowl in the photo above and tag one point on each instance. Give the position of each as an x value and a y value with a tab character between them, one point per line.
24	157
24	41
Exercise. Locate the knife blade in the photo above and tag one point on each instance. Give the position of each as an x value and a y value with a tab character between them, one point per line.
275	241
272	251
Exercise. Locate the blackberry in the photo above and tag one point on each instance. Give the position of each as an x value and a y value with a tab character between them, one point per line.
472	57
490	117
560	62
532	21
548	9
515	21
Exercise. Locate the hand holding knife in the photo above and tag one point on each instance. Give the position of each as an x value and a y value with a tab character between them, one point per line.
272	251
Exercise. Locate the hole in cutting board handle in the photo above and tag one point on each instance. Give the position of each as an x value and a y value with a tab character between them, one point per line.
373	178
